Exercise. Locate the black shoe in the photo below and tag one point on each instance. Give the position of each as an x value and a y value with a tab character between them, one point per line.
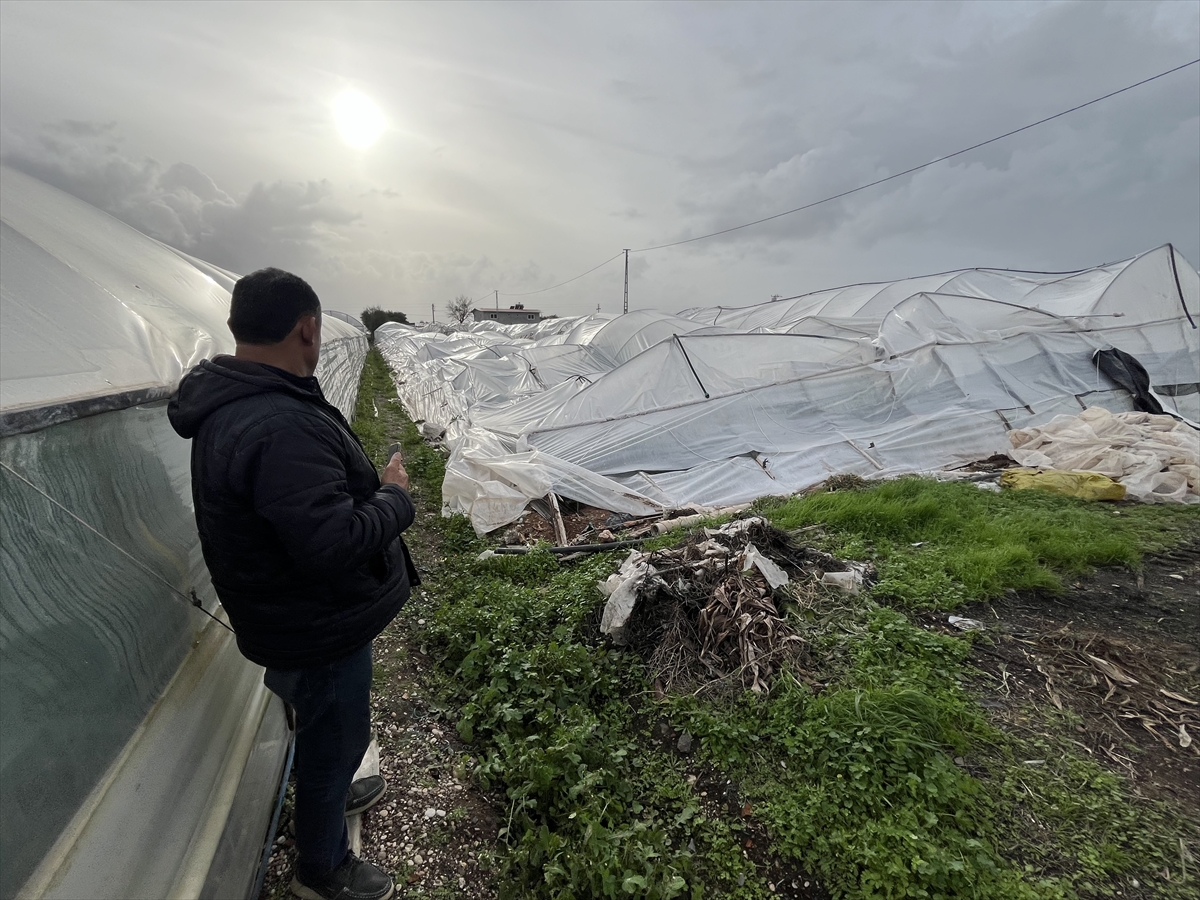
354	879
364	793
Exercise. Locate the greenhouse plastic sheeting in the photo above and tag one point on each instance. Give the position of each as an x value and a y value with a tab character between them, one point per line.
98	316
1156	458
720	405
140	753
493	486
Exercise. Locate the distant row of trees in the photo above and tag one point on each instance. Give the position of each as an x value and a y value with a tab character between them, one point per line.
373	317
459	309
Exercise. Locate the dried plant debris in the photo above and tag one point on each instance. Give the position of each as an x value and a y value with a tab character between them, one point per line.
706	613
845	482
1118	677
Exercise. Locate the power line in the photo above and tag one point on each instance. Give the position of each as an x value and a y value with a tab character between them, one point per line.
925	165
568	281
863	187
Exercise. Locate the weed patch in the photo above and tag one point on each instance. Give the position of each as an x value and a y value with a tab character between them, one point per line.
872	769
940	545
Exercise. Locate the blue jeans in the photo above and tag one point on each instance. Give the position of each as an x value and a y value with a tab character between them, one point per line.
333	729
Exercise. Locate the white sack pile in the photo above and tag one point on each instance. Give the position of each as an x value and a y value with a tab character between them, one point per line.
1157	458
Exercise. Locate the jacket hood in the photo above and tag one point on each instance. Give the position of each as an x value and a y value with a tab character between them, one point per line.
225	379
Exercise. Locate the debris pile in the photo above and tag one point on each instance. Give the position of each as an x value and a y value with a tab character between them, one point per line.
708	611
1156	458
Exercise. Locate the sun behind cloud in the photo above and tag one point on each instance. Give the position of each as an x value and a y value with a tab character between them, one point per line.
359	121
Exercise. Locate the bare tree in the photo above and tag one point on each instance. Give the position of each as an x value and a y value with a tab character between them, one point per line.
459	308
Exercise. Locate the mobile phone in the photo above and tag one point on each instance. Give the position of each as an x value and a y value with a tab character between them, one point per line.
392	451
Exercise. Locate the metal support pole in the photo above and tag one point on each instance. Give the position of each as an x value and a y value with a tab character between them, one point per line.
433	311
626	281
497	293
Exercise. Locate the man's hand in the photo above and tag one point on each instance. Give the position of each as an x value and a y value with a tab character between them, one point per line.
394	472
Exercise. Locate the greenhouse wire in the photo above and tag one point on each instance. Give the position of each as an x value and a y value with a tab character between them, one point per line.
863	187
191	600
688	360
1179	290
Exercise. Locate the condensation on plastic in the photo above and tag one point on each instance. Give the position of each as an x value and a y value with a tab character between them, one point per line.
87	639
93	307
139	749
119	702
718	406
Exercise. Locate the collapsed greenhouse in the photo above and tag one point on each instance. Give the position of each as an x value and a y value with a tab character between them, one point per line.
717	406
140	753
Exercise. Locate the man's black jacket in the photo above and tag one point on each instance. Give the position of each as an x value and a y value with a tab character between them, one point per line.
302	542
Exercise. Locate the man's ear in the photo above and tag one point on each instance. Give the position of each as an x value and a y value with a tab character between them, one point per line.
308	326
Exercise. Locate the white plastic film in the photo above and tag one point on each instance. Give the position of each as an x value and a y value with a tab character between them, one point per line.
718	406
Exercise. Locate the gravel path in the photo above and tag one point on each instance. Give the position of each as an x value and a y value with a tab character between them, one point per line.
433	831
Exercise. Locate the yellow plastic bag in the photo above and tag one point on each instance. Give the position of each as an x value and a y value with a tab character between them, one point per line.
1084	485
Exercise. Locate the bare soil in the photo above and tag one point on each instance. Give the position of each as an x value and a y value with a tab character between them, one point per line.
583	524
1118	654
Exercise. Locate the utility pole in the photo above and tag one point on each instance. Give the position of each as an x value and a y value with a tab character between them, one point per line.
497	293
626	281
433	311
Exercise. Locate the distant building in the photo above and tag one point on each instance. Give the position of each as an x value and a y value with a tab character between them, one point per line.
514	315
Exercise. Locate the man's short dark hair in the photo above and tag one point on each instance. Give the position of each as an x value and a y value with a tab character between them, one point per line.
267	304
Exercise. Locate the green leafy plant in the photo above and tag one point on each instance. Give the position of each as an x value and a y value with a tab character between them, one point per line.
852	767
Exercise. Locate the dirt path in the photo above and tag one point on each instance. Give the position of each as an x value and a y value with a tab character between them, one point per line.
433	831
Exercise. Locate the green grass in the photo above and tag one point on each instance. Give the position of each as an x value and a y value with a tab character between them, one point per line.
857	784
380	420
976	544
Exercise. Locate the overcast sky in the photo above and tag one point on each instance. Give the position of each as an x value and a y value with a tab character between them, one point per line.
525	143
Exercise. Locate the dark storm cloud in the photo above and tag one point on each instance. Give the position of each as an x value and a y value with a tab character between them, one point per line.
1025	197
527	143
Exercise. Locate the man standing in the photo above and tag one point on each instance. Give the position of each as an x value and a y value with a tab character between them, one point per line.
302	539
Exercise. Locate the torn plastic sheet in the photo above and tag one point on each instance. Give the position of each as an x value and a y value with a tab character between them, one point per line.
621	589
493	486
850	581
775	576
